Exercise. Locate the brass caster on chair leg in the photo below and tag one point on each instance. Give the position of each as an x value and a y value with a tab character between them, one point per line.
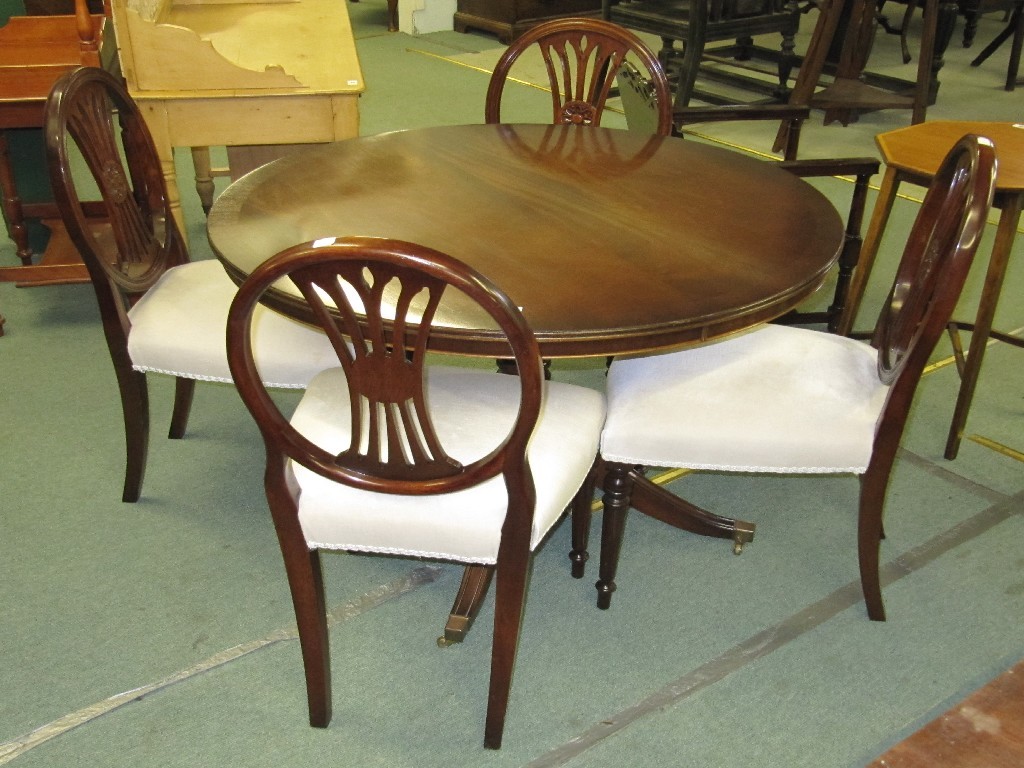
455	630
743	533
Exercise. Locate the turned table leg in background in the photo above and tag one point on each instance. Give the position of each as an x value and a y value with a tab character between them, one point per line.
869	249
12	204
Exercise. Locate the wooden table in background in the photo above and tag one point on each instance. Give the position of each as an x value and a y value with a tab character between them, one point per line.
254	77
34	52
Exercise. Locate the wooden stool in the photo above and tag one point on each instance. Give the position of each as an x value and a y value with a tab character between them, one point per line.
913	155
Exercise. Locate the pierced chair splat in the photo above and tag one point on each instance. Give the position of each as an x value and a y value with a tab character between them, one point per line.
160	312
385	454
582	58
796	401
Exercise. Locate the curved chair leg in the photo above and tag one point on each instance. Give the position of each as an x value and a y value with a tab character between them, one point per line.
135	409
510	596
618	486
305	579
869	539
183	391
582	505
306	583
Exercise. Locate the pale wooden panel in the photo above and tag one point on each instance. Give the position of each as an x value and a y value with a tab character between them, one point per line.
303	45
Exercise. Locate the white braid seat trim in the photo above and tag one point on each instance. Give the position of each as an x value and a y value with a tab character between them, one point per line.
420	554
778	399
179	328
473	411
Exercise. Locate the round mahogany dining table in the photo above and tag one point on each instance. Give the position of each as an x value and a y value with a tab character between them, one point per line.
610	241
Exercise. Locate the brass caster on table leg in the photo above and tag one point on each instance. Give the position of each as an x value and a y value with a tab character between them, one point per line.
743	533
454	631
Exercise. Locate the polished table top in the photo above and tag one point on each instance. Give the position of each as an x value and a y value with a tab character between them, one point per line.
611	241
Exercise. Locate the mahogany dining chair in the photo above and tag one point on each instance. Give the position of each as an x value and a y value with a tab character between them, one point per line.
160	312
385	454
797	401
1014	32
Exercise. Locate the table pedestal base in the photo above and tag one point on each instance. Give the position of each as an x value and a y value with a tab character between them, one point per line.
648	498
654	501
626	488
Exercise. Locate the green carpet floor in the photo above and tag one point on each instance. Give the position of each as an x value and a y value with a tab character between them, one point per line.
160	633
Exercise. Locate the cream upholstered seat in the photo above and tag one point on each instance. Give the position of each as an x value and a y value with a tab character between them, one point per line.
160	311
385	454
778	399
791	400
472	412
193	300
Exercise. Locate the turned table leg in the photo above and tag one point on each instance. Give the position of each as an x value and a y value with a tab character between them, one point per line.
12	205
